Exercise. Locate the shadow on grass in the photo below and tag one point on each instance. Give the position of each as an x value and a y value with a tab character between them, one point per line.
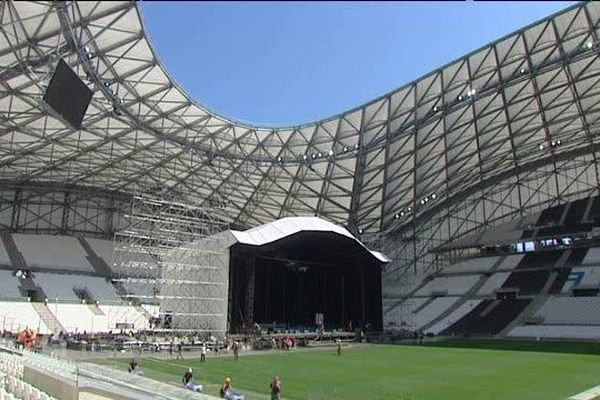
548	346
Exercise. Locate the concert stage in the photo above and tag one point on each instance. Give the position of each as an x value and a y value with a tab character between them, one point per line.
292	270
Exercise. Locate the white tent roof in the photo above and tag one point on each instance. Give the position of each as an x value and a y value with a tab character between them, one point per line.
285	227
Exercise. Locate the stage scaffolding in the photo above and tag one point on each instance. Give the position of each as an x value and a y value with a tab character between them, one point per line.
172	254
404	311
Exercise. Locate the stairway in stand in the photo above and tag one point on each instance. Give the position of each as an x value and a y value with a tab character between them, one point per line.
98	263
49	319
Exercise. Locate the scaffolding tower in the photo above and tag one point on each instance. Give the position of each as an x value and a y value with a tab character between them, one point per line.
407	308
171	255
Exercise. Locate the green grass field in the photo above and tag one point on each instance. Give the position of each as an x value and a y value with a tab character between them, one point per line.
450	370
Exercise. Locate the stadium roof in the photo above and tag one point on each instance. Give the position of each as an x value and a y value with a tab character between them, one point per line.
528	100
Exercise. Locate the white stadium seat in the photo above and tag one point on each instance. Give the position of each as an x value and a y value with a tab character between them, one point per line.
451	285
570	310
17	315
53	252
432	310
62	286
9	285
481	264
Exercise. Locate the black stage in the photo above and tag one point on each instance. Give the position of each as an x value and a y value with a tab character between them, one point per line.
292	279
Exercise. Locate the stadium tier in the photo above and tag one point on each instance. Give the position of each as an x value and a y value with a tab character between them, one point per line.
506	294
52	252
49	284
71	287
570	311
450	285
534	286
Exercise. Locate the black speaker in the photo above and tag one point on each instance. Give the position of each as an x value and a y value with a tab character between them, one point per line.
68	95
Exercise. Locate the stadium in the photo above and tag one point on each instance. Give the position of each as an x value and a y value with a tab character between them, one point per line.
440	241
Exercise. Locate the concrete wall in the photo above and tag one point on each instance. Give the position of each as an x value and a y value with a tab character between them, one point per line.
51	384
65	389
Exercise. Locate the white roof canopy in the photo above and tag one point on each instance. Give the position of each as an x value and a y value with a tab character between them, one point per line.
501	109
286	227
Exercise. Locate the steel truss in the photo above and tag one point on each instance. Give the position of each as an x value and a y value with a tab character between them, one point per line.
495	109
507	199
169	255
58	209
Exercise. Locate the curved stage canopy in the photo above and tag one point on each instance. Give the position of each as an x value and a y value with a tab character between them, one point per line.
311	226
488	117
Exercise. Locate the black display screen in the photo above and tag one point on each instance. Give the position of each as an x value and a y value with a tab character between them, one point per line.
68	95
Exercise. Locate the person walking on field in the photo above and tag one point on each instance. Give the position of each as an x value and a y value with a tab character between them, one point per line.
276	388
179	351
203	352
236	350
339	347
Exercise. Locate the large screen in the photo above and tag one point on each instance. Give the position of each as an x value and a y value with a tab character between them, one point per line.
68	95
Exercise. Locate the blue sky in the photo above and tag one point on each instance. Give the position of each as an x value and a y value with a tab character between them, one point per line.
291	63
